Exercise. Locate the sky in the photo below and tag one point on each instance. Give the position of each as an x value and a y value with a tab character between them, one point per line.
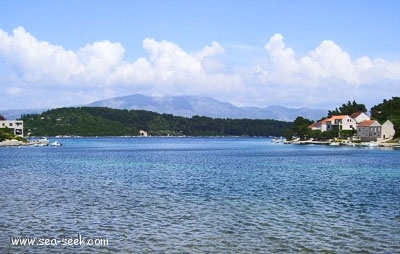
317	54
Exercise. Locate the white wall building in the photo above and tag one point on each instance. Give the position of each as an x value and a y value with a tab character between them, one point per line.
15	126
388	130
359	117
340	122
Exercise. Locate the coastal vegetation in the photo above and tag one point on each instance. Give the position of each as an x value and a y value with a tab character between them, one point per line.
101	121
6	134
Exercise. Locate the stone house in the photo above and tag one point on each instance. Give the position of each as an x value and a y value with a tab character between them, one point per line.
372	130
369	130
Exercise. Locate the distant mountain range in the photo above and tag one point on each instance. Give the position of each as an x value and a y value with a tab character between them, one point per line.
14	114
189	106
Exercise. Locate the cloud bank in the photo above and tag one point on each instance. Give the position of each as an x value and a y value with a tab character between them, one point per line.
36	73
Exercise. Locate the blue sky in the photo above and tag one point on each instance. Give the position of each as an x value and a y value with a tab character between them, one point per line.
249	53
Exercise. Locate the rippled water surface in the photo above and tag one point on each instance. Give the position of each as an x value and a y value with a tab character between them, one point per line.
201	195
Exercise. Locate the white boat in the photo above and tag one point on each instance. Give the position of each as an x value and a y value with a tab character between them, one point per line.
40	142
350	144
396	147
334	144
370	144
276	140
56	143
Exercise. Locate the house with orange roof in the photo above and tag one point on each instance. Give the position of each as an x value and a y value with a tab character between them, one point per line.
340	122
344	122
369	130
320	125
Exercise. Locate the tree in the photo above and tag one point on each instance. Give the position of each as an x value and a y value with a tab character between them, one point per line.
300	127
2	118
348	109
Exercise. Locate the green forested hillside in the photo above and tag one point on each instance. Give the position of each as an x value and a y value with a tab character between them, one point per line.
100	121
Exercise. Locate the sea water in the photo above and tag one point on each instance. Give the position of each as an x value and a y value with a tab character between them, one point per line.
199	195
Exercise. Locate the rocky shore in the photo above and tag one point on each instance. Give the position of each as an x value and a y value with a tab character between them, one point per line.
13	142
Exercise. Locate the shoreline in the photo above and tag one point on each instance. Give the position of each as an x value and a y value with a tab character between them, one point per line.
358	144
13	142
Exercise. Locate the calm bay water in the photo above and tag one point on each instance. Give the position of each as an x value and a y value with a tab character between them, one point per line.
200	195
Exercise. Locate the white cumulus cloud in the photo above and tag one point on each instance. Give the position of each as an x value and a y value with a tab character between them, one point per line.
326	75
37	61
167	69
99	69
327	62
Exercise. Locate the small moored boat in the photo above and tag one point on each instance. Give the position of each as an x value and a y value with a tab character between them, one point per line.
40	142
56	143
370	144
276	140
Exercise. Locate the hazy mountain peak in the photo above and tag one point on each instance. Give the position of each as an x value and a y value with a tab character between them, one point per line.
189	106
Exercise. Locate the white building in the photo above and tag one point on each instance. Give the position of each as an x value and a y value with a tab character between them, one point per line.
340	122
344	122
15	126
143	133
359	117
388	130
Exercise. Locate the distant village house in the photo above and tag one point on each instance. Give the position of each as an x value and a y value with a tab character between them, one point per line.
143	133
